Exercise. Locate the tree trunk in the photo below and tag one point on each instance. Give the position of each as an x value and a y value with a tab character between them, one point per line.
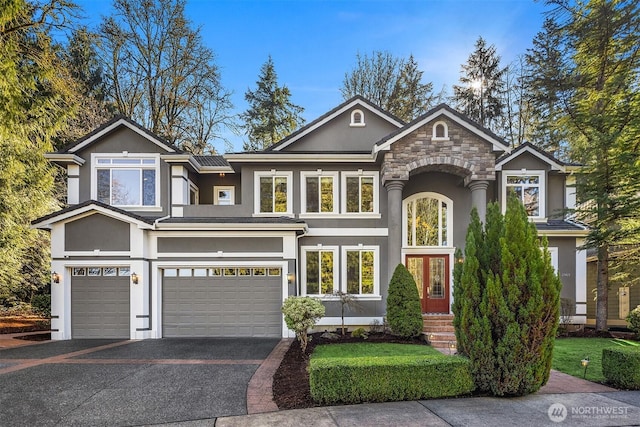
602	288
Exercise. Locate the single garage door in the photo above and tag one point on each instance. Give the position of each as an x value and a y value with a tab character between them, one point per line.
222	302
100	302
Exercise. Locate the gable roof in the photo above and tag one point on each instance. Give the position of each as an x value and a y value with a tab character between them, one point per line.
345	106
111	125
91	205
527	147
497	142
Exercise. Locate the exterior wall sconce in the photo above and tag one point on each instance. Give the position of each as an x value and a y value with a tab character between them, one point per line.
585	364
291	277
460	260
134	278
55	277
221	174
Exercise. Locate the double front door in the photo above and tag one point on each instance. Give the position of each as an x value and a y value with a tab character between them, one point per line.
431	274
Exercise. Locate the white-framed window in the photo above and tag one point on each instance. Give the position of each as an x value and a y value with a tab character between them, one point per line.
223	195
319	270
126	180
360	270
360	192
440	131
529	187
427	220
319	192
273	193
357	119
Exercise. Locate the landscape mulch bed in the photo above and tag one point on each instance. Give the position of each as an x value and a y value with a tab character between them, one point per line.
291	380
18	324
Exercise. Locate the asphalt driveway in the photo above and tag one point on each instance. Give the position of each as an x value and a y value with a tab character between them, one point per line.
125	383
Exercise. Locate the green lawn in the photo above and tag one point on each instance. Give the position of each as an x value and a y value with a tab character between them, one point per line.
351	350
568	352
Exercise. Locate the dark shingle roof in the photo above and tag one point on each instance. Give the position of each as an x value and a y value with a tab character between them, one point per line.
211	160
539	150
558	225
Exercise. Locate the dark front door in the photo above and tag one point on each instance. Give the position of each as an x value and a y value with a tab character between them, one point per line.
431	273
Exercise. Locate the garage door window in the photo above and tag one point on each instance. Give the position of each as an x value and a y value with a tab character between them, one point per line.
216	272
100	271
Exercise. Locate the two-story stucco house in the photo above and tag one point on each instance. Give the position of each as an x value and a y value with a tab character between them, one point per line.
157	243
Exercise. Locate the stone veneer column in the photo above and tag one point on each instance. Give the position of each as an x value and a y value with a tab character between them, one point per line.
394	223
479	197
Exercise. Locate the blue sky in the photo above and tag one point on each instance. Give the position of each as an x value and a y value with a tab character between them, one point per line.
313	43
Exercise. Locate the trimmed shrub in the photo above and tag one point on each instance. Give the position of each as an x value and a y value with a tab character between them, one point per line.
360	333
301	314
386	379
42	304
621	367
404	312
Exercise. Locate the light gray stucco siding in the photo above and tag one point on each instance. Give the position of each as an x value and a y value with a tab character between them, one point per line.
97	232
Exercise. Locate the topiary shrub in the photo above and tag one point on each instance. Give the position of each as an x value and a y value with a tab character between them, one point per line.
621	367
404	312
633	320
301	314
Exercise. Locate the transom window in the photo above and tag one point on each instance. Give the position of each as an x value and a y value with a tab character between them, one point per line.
427	220
126	181
319	192
360	192
273	192
528	187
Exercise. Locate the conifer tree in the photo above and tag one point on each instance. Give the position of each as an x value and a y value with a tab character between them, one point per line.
508	316
480	94
404	313
271	115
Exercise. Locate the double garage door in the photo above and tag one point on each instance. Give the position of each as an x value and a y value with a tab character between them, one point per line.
222	302
100	302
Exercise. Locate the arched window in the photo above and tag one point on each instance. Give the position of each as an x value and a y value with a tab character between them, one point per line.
440	130
357	118
428	219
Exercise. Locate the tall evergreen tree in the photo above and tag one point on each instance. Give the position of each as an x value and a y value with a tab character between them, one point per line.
271	115
480	94
544	66
507	311
80	58
35	102
394	84
602	117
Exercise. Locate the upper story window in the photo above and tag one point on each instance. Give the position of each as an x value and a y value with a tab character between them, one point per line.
357	118
528	187
223	195
360	192
440	131
428	219
273	193
130	181
319	191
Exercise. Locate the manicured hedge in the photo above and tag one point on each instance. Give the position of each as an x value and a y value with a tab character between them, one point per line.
390	378
621	367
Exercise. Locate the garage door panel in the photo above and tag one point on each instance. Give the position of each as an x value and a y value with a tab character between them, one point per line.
100	307
222	306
